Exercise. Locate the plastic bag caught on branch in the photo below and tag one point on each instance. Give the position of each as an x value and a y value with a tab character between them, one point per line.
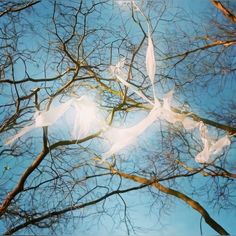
123	137
211	147
19	134
87	118
43	119
166	112
120	75
47	118
150	62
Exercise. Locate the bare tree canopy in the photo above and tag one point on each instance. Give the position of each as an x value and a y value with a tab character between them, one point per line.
112	106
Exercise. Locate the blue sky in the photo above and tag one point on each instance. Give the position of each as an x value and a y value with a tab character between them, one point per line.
179	220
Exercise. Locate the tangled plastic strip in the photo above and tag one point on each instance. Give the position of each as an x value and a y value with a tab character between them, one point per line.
211	147
87	118
87	115
122	137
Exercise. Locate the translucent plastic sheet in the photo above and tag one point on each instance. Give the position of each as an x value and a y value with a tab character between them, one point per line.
211	147
19	134
87	119
122	137
150	62
47	118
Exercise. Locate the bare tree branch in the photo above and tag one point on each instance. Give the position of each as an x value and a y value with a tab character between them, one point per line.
70	208
224	10
18	7
194	204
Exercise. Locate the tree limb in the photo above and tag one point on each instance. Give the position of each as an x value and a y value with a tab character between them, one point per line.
68	209
228	14
18	8
20	186
194	204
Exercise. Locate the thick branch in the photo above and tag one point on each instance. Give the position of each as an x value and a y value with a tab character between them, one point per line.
194	204
68	209
211	45
18	7
221	172
229	129
224	10
20	186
